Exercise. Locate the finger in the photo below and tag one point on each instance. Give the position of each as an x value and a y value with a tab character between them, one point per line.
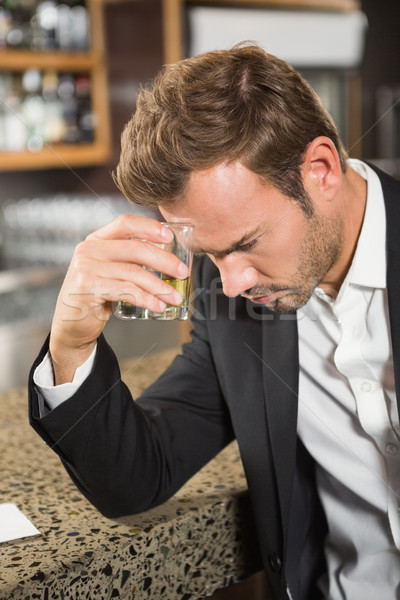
107	292
128	252
133	226
124	279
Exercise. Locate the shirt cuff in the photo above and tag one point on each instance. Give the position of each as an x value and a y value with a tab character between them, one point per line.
54	395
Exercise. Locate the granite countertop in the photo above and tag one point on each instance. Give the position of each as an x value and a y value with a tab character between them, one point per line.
185	549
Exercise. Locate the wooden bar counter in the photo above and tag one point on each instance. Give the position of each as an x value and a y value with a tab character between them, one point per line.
185	549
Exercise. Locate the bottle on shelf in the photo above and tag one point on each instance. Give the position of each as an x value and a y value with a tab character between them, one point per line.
33	109
45	25
38	108
15	131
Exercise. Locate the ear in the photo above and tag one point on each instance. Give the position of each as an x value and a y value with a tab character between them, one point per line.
321	168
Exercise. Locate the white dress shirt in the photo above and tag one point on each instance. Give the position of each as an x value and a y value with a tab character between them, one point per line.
348	416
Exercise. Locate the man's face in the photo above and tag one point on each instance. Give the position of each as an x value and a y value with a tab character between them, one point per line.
264	246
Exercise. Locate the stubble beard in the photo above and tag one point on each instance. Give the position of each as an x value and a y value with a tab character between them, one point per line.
320	250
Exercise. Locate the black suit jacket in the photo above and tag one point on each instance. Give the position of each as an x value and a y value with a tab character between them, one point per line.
237	378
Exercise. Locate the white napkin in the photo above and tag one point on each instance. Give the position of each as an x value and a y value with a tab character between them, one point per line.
14	524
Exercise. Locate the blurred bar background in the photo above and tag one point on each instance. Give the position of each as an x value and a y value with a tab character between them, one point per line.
69	75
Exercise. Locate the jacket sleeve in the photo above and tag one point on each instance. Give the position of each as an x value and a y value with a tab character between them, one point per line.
128	456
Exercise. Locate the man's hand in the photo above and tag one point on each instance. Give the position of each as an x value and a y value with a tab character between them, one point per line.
108	267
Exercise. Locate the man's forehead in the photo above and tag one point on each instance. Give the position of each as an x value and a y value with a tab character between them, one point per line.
218	192
226	204
223	178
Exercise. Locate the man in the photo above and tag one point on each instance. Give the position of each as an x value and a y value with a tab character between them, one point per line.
294	359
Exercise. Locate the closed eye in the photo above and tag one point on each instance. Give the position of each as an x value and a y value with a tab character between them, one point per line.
241	245
246	247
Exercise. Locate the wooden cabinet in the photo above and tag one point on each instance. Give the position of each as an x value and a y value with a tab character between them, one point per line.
87	66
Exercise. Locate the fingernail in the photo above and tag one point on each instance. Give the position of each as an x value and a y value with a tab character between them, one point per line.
166	233
183	271
161	306
178	297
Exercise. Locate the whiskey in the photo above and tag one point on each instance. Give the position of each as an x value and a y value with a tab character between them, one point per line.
126	310
180	312
181	286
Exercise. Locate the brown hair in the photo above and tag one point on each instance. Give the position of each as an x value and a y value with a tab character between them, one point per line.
239	104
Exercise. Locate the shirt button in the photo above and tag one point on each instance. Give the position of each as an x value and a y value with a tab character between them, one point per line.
365	386
391	449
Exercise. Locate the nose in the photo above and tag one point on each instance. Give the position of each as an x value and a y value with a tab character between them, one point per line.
236	275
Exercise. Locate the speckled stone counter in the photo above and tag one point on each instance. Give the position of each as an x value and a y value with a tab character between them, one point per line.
184	549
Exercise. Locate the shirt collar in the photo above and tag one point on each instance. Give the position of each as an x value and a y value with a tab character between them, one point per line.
368	268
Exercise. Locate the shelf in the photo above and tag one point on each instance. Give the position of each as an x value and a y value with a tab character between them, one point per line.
60	156
20	60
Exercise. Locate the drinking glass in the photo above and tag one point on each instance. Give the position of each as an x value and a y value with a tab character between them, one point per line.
181	246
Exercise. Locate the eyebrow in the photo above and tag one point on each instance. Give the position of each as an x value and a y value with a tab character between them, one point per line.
232	248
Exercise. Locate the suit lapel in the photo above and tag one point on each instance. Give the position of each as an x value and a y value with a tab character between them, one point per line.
393	284
280	365
391	194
